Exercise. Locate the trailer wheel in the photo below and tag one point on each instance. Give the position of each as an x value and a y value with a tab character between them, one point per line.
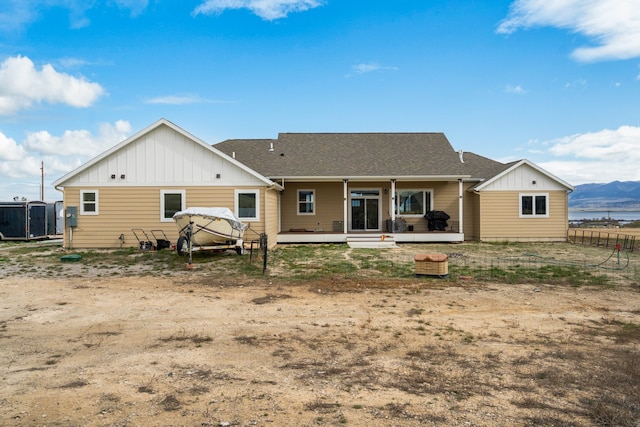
182	246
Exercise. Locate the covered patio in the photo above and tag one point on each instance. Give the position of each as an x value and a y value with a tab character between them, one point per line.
358	213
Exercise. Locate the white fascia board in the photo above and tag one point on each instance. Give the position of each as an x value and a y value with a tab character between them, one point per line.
371	178
516	166
147	130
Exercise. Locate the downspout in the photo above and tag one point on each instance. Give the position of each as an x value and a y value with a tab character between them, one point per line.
460	207
344	208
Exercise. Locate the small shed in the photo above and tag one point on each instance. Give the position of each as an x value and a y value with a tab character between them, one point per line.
23	220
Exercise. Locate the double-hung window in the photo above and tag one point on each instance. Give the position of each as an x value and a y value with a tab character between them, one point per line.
89	202
247	204
171	201
534	205
306	202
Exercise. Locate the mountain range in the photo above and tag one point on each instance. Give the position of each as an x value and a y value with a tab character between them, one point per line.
612	195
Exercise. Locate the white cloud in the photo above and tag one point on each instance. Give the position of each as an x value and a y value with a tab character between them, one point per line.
16	14
602	156
22	85
176	100
516	90
621	143
136	6
77	143
613	26
576	173
576	84
20	162
265	9
70	62
9	149
364	68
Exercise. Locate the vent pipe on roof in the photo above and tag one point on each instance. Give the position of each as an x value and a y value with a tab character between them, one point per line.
461	155
271	147
233	154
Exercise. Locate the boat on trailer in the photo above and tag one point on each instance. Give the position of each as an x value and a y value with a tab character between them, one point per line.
208	228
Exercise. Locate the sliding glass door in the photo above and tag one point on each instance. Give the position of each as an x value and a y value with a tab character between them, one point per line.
365	210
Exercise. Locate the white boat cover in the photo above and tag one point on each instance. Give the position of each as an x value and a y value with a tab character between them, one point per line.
213	213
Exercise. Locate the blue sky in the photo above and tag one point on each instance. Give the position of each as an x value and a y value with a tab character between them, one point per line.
553	81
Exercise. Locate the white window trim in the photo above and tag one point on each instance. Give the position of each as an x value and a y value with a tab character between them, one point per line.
533	215
82	203
424	205
313	212
183	198
237	209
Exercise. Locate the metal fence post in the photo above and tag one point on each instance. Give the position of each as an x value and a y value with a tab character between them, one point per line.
263	249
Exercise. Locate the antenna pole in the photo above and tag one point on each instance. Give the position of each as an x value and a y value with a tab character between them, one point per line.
42	181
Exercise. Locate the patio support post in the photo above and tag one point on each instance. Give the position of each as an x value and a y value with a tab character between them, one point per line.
345	210
460	212
392	201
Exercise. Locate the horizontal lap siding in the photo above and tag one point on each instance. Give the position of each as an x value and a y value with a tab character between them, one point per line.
271	217
124	208
500	219
471	209
329	206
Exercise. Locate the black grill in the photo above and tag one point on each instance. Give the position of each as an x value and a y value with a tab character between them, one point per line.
437	220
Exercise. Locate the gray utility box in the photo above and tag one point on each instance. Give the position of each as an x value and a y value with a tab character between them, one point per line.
72	216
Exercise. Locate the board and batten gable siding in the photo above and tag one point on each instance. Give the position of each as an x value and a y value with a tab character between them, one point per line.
525	178
121	209
163	156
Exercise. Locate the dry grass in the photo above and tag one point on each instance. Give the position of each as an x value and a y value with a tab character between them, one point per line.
366	343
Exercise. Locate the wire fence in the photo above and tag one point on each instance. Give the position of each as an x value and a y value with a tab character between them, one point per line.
605	239
559	263
609	268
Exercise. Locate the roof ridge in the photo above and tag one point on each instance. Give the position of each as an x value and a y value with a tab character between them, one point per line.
360	133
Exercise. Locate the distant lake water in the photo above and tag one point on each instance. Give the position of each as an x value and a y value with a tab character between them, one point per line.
575	215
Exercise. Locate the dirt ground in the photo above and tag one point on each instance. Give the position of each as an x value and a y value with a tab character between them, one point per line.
197	350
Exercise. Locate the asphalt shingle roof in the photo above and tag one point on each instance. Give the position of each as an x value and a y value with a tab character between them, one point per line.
357	155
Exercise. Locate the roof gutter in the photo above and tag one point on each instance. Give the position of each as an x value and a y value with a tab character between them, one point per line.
276	186
373	178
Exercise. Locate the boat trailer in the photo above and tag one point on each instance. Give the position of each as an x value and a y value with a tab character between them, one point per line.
185	246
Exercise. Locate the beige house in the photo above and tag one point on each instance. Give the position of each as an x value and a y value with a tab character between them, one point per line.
327	187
